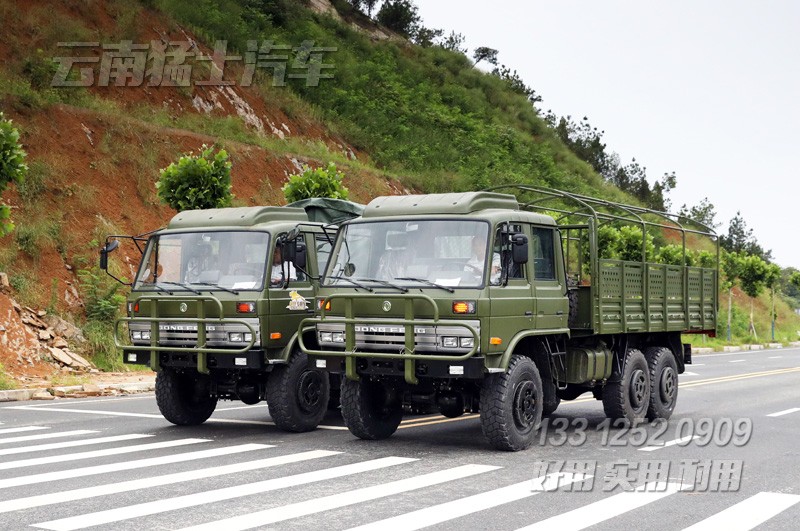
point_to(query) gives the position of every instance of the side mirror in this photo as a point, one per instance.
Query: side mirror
(519, 248)
(107, 248)
(300, 255)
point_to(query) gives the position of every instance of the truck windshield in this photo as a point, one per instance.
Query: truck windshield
(225, 259)
(411, 253)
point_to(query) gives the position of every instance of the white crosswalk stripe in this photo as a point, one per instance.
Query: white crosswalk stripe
(211, 496)
(474, 510)
(471, 504)
(61, 475)
(72, 444)
(40, 436)
(607, 508)
(749, 513)
(343, 499)
(21, 429)
(98, 453)
(168, 479)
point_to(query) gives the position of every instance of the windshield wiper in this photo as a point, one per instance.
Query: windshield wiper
(156, 286)
(385, 283)
(212, 285)
(184, 286)
(428, 282)
(353, 282)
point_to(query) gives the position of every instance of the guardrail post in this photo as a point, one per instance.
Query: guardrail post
(410, 336)
(350, 341)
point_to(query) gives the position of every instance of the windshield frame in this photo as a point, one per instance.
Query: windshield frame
(343, 228)
(147, 287)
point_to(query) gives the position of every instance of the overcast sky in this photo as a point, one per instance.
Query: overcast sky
(707, 89)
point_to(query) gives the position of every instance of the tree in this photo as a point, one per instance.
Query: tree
(197, 181)
(740, 239)
(630, 247)
(400, 16)
(772, 278)
(516, 83)
(731, 266)
(454, 42)
(427, 37)
(794, 279)
(753, 276)
(12, 167)
(320, 182)
(703, 212)
(484, 53)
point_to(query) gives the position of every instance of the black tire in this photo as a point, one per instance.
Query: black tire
(551, 398)
(512, 404)
(297, 397)
(184, 399)
(629, 397)
(663, 382)
(370, 410)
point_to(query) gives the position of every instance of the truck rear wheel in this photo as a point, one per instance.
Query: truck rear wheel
(184, 399)
(663, 382)
(629, 397)
(512, 404)
(370, 410)
(296, 396)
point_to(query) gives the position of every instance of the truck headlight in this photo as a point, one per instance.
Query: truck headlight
(235, 337)
(248, 337)
(136, 334)
(326, 337)
(338, 337)
(450, 342)
(146, 334)
(467, 342)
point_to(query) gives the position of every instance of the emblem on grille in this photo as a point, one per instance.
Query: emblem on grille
(387, 306)
(183, 307)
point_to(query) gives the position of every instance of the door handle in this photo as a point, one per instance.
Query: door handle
(560, 312)
(528, 313)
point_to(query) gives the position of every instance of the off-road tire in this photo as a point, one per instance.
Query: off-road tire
(184, 399)
(551, 398)
(663, 382)
(629, 397)
(297, 396)
(370, 411)
(511, 405)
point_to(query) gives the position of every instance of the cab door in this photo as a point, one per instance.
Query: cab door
(289, 302)
(549, 283)
(512, 305)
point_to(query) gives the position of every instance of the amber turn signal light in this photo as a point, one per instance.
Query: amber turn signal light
(246, 307)
(464, 306)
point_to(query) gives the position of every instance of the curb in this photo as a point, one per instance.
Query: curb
(76, 391)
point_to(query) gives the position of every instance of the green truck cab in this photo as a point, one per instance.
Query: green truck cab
(215, 306)
(500, 304)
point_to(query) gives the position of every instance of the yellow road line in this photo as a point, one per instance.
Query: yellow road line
(428, 421)
(440, 421)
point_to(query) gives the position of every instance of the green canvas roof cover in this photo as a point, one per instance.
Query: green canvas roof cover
(325, 210)
(235, 217)
(455, 203)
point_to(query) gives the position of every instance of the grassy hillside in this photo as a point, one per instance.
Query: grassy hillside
(395, 117)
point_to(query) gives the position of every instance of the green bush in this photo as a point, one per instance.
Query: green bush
(100, 346)
(12, 167)
(5, 381)
(100, 297)
(672, 254)
(197, 181)
(320, 182)
(631, 244)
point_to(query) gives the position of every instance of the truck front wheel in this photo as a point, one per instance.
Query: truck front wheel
(512, 404)
(663, 382)
(370, 410)
(296, 396)
(629, 397)
(184, 399)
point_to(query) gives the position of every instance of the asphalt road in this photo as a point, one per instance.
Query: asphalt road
(114, 463)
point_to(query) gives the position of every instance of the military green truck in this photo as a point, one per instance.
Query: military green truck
(502, 304)
(215, 306)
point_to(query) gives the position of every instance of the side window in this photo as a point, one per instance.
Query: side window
(501, 254)
(282, 269)
(544, 262)
(324, 248)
